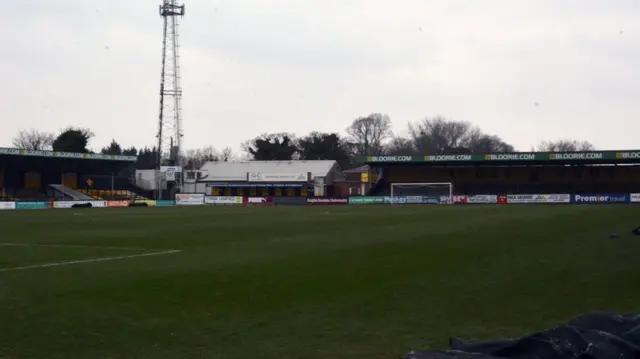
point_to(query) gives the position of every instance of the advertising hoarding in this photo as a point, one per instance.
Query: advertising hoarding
(277, 177)
(367, 200)
(258, 201)
(482, 199)
(69, 204)
(7, 205)
(600, 198)
(538, 198)
(31, 205)
(322, 201)
(222, 200)
(189, 199)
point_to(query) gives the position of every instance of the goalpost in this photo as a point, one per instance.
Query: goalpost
(434, 193)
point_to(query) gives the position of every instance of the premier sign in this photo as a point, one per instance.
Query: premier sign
(598, 198)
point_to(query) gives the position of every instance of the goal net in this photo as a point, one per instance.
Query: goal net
(426, 193)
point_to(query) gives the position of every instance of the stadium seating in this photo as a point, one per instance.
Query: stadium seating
(111, 195)
(4, 196)
(22, 194)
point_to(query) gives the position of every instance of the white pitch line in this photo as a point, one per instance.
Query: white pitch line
(74, 246)
(93, 260)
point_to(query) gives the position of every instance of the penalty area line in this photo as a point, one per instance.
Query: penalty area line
(92, 260)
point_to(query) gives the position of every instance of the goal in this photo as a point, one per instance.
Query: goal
(427, 193)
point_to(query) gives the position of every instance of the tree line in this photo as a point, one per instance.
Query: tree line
(370, 135)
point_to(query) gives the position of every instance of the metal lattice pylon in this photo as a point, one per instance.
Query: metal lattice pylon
(170, 119)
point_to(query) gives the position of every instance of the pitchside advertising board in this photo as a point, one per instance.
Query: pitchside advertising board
(482, 199)
(538, 198)
(367, 200)
(397, 200)
(31, 205)
(222, 200)
(321, 201)
(600, 198)
(69, 204)
(258, 201)
(7, 205)
(189, 199)
(634, 198)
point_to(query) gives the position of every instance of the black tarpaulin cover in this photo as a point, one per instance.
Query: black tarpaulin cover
(595, 335)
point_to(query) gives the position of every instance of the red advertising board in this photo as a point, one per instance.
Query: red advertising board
(257, 201)
(118, 203)
(502, 199)
(324, 201)
(460, 199)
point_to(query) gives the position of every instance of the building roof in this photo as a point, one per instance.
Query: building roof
(360, 169)
(237, 171)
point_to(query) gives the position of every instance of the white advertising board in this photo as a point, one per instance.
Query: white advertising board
(7, 205)
(277, 177)
(634, 197)
(221, 200)
(69, 204)
(539, 198)
(483, 199)
(189, 199)
(170, 169)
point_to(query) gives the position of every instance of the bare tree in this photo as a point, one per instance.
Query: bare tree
(367, 134)
(227, 154)
(565, 146)
(34, 140)
(208, 153)
(194, 159)
(439, 135)
(400, 146)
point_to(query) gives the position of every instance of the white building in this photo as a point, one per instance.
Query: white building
(319, 174)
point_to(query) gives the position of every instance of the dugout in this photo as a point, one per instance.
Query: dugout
(42, 175)
(513, 173)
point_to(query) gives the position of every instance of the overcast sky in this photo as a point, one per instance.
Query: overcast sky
(526, 70)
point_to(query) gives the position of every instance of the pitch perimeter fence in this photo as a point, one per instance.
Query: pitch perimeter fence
(197, 199)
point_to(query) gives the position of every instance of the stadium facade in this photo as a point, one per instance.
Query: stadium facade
(513, 173)
(588, 177)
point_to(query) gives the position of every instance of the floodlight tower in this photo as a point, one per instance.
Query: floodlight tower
(170, 118)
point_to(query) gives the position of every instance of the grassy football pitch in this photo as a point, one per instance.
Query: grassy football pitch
(303, 282)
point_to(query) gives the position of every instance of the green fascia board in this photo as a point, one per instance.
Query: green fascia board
(630, 155)
(70, 155)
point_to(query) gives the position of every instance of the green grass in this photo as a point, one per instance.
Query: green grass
(297, 282)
